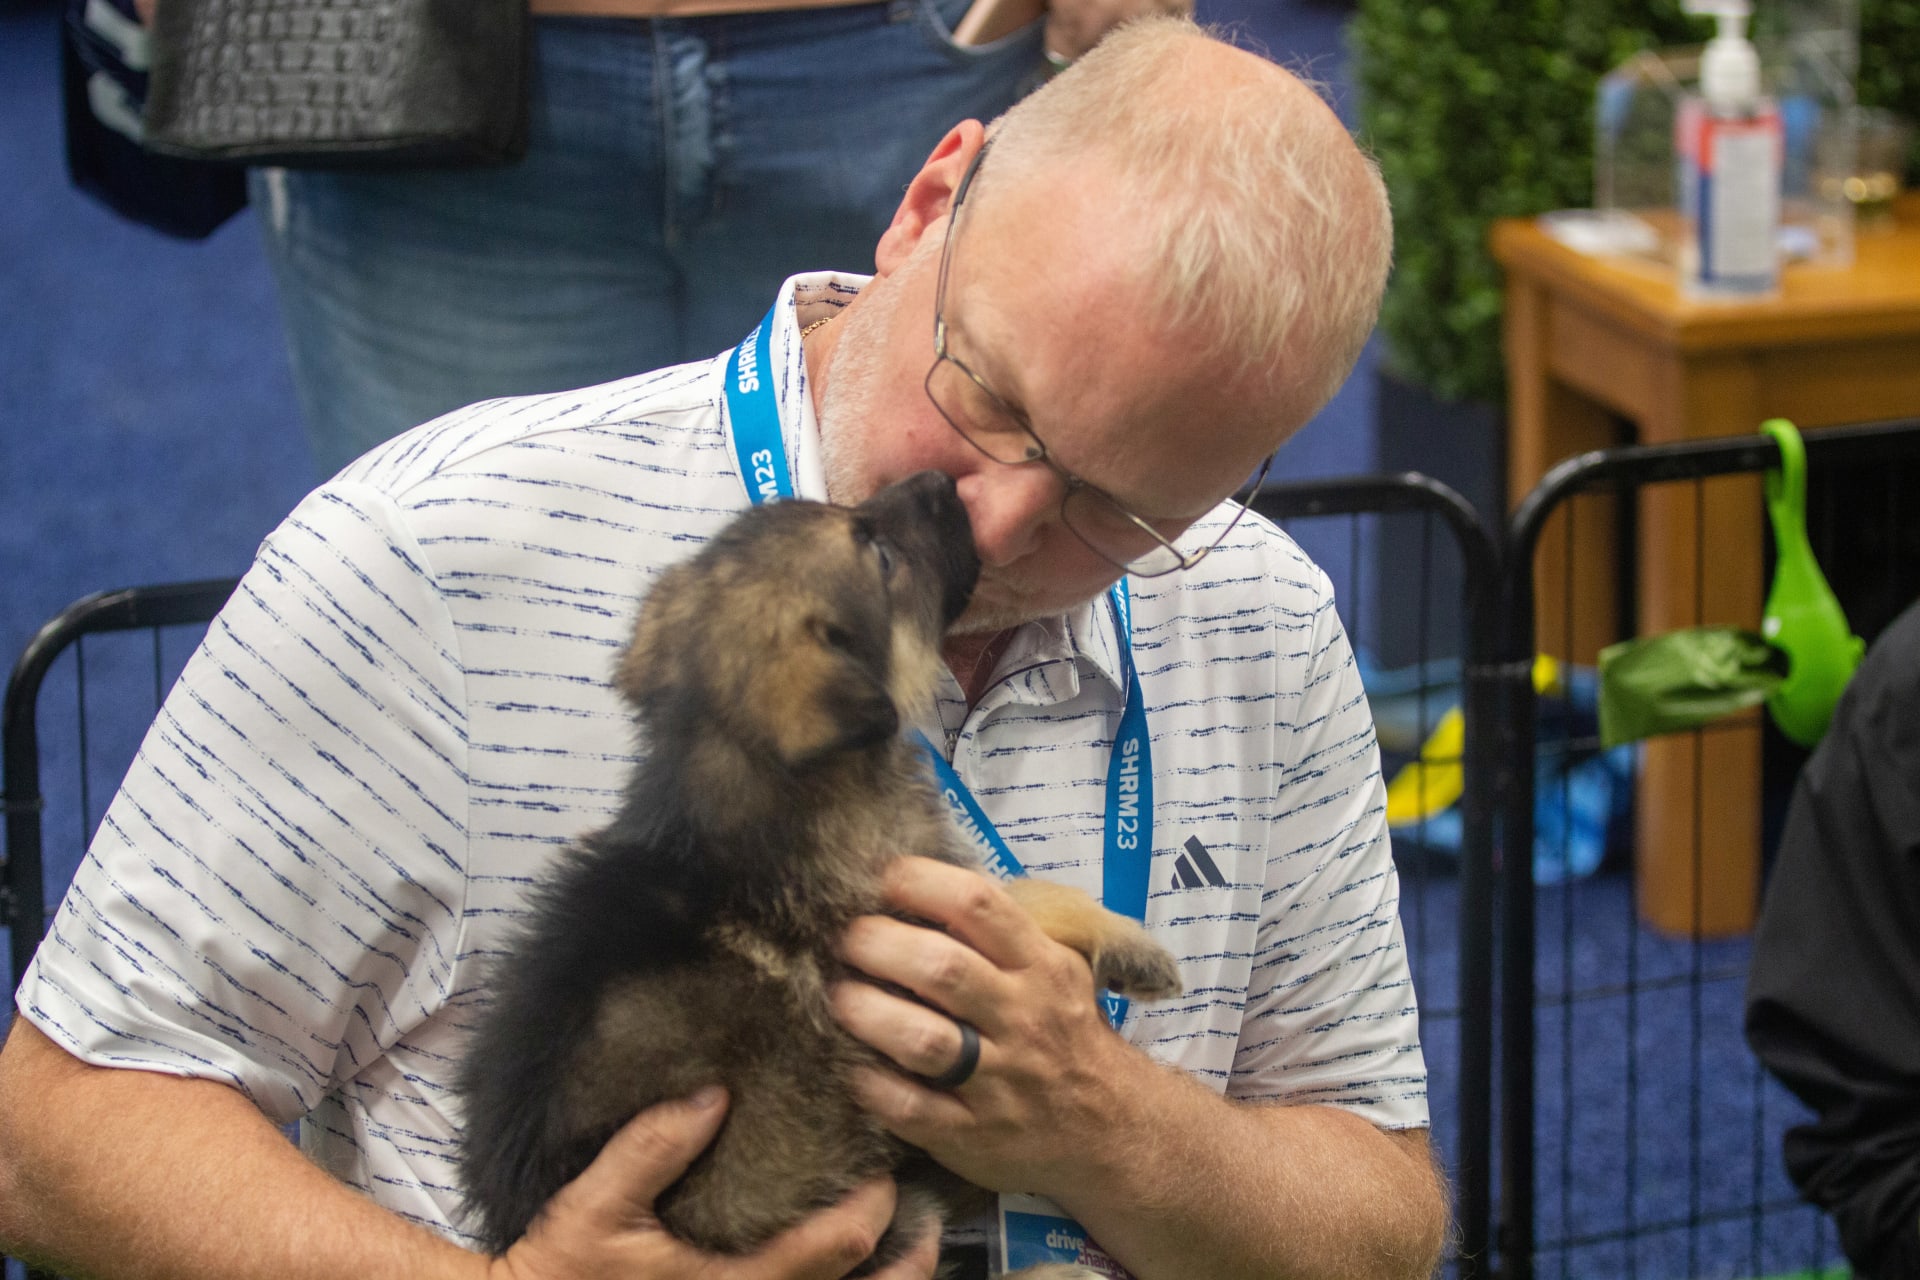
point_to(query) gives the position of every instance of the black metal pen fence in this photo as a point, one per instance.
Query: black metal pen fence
(1600, 1117)
(1444, 639)
(1639, 1137)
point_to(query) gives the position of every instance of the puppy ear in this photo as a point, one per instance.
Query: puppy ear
(647, 664)
(841, 708)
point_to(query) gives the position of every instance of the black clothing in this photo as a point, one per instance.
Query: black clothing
(1833, 997)
(964, 1262)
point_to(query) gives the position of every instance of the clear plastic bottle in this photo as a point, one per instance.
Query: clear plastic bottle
(1729, 145)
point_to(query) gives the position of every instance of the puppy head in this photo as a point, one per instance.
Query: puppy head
(804, 631)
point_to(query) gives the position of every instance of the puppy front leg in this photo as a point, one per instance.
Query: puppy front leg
(1124, 958)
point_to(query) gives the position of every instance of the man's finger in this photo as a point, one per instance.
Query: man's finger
(941, 970)
(645, 1157)
(830, 1243)
(923, 1041)
(910, 1110)
(970, 906)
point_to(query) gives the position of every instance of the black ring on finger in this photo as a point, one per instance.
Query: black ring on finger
(963, 1067)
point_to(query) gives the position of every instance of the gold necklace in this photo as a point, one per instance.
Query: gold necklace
(815, 325)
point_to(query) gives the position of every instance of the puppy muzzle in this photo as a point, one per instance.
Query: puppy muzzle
(923, 517)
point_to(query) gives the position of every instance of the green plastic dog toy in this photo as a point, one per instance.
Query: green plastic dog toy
(1802, 617)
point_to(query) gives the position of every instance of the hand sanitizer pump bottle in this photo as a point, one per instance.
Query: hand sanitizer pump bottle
(1729, 145)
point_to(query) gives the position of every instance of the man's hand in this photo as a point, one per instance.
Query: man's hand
(1075, 26)
(1171, 1178)
(1027, 1116)
(602, 1223)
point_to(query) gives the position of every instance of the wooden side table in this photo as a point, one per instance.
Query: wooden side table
(1593, 342)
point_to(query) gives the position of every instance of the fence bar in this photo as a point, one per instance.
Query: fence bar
(22, 885)
(1410, 492)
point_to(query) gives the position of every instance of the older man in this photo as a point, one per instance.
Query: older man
(1153, 271)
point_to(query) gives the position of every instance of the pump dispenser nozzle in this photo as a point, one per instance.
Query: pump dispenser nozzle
(1730, 68)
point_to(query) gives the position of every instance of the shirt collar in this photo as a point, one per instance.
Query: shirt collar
(803, 299)
(1096, 630)
(1050, 656)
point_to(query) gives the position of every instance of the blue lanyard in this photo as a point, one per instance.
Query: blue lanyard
(753, 413)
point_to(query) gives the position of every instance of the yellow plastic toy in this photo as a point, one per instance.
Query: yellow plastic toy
(1434, 783)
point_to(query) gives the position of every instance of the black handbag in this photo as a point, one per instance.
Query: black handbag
(341, 83)
(103, 77)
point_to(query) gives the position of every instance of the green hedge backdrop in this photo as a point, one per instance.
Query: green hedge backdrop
(1483, 109)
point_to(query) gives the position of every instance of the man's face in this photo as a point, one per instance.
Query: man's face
(1042, 303)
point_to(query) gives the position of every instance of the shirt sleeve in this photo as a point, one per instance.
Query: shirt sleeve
(1833, 991)
(274, 895)
(1331, 1016)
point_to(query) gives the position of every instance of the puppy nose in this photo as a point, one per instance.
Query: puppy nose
(932, 489)
(1010, 508)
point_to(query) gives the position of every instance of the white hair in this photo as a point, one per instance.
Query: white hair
(1269, 230)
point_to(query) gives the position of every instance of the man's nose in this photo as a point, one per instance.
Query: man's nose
(1011, 508)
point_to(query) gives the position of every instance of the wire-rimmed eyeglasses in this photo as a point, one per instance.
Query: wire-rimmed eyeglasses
(1002, 433)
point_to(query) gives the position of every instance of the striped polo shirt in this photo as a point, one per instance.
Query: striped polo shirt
(405, 711)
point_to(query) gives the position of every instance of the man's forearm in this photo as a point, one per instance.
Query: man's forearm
(143, 1176)
(1183, 1183)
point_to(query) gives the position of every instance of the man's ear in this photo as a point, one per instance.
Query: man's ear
(929, 195)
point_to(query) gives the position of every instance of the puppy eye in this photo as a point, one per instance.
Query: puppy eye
(885, 554)
(836, 636)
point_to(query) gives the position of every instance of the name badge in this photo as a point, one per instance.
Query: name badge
(1034, 1230)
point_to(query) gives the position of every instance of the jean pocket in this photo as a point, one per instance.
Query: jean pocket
(938, 18)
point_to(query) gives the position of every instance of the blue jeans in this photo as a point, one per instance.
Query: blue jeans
(679, 170)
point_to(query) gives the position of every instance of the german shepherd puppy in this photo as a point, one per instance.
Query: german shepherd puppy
(691, 941)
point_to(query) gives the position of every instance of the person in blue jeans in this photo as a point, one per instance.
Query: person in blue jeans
(686, 156)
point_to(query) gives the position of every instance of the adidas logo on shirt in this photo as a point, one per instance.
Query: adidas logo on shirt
(1196, 867)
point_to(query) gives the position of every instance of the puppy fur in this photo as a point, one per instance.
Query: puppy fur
(690, 942)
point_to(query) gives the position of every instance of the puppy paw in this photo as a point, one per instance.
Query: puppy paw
(1123, 957)
(1137, 967)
